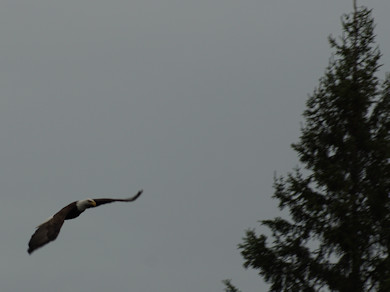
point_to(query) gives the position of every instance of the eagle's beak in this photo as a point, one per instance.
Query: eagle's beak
(93, 203)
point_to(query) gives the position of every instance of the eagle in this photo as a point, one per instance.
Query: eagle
(49, 230)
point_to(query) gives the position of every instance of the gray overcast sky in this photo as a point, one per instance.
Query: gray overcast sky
(196, 102)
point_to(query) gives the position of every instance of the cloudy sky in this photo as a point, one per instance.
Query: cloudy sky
(196, 102)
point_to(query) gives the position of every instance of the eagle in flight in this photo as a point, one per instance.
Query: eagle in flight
(49, 230)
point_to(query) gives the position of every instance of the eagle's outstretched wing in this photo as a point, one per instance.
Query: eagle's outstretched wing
(106, 201)
(49, 230)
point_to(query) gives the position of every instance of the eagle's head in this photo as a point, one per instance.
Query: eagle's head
(85, 204)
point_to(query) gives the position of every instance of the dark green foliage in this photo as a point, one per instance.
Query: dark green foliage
(337, 237)
(229, 287)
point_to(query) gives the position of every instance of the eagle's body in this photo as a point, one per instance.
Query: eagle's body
(49, 230)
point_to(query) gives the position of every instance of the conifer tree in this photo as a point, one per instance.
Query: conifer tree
(337, 237)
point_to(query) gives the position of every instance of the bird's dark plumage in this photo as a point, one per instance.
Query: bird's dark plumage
(49, 230)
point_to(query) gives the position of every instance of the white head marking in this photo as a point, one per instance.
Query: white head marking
(84, 204)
